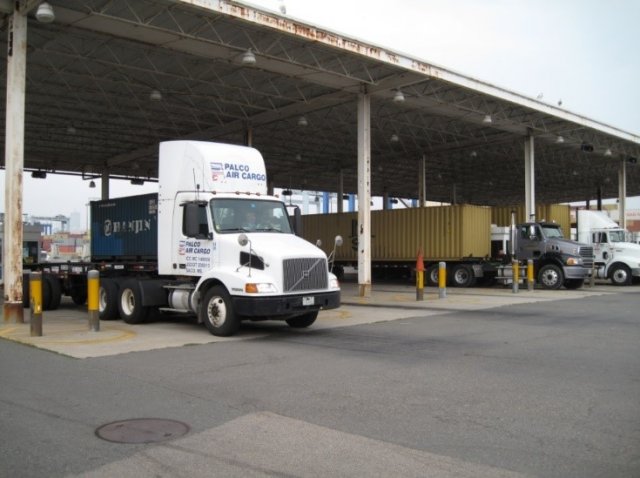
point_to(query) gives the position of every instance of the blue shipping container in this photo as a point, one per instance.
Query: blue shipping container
(125, 228)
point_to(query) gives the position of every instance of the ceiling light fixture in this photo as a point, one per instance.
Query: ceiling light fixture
(137, 181)
(92, 184)
(71, 129)
(398, 97)
(394, 138)
(559, 139)
(487, 119)
(474, 154)
(608, 152)
(155, 95)
(44, 13)
(248, 58)
(39, 174)
(302, 121)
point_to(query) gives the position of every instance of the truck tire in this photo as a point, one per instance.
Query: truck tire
(620, 274)
(51, 292)
(550, 277)
(431, 275)
(130, 303)
(216, 311)
(108, 300)
(302, 321)
(462, 276)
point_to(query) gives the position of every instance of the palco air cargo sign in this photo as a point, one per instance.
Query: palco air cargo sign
(237, 175)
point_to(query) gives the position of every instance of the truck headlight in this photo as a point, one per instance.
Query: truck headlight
(334, 283)
(574, 261)
(260, 288)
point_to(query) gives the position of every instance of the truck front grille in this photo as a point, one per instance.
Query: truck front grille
(305, 274)
(586, 252)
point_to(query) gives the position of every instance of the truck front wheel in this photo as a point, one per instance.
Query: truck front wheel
(303, 321)
(216, 311)
(620, 275)
(130, 303)
(550, 277)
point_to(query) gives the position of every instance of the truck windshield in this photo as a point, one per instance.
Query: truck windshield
(552, 231)
(249, 215)
(617, 236)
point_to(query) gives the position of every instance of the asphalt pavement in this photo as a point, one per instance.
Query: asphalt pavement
(482, 383)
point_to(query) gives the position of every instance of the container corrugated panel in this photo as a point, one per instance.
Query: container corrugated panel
(559, 213)
(125, 228)
(444, 232)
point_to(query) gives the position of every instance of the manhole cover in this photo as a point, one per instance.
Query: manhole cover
(142, 430)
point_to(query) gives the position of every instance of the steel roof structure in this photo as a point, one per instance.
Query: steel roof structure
(90, 74)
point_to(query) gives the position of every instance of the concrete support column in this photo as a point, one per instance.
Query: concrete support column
(622, 194)
(529, 179)
(364, 194)
(340, 199)
(385, 199)
(104, 184)
(454, 198)
(14, 164)
(599, 200)
(423, 181)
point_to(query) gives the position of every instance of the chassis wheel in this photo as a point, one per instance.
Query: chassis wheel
(550, 277)
(302, 321)
(130, 303)
(108, 300)
(216, 311)
(51, 292)
(462, 276)
(620, 275)
(431, 275)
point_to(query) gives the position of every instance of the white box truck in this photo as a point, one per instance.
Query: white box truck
(615, 257)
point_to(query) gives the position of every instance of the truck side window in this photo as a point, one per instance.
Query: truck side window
(203, 225)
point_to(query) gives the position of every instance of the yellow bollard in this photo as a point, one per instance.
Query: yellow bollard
(442, 280)
(93, 300)
(530, 275)
(515, 268)
(420, 276)
(35, 288)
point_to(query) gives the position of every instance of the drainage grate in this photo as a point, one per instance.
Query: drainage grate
(142, 430)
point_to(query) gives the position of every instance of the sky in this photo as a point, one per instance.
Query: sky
(582, 52)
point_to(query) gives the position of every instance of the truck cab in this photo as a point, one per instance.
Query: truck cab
(557, 261)
(615, 257)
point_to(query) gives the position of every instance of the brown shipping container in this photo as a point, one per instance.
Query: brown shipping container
(559, 213)
(443, 233)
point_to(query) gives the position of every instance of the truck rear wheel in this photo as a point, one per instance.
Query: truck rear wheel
(462, 276)
(550, 277)
(108, 300)
(302, 321)
(620, 275)
(130, 303)
(51, 292)
(216, 311)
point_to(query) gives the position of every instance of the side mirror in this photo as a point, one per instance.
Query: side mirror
(338, 241)
(243, 240)
(319, 243)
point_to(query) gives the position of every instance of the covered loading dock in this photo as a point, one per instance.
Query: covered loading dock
(107, 80)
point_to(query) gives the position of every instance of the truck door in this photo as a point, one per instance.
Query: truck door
(194, 254)
(601, 247)
(530, 244)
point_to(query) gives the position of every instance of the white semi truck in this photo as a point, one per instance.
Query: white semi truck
(210, 243)
(615, 257)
